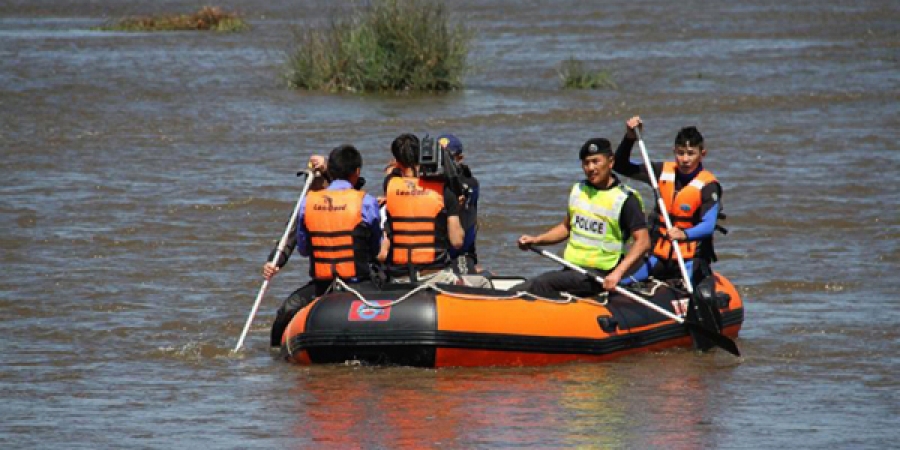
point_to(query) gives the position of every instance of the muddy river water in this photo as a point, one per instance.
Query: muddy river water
(144, 177)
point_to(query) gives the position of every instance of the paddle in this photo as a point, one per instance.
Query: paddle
(281, 244)
(664, 212)
(715, 337)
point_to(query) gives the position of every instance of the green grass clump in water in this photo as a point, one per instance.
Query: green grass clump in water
(575, 76)
(207, 18)
(389, 45)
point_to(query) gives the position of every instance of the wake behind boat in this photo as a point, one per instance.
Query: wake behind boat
(439, 325)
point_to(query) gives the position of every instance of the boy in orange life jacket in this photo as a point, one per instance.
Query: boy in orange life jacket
(422, 220)
(338, 228)
(693, 199)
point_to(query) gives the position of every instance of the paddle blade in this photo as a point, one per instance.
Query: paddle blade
(714, 338)
(704, 320)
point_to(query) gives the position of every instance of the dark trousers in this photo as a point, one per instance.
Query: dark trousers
(299, 299)
(550, 284)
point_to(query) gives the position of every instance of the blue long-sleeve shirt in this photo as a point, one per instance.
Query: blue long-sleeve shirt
(370, 217)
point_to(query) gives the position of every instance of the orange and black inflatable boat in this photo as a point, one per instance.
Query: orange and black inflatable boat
(446, 325)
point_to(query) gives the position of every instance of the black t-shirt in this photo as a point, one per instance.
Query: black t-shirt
(632, 217)
(468, 215)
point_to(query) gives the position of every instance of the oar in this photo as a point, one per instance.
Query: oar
(281, 244)
(716, 338)
(664, 212)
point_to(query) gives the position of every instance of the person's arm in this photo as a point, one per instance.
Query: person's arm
(639, 247)
(468, 215)
(285, 253)
(623, 164)
(385, 248)
(276, 259)
(302, 239)
(555, 235)
(319, 165)
(455, 232)
(471, 203)
(371, 216)
(634, 224)
(385, 238)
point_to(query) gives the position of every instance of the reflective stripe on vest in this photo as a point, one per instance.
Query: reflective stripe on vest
(595, 238)
(416, 222)
(682, 208)
(334, 221)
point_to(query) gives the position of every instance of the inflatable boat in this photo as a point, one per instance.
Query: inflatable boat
(447, 325)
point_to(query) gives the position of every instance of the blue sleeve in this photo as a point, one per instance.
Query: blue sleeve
(706, 227)
(371, 215)
(302, 234)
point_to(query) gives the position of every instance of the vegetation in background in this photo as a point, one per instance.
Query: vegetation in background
(388, 45)
(575, 75)
(207, 18)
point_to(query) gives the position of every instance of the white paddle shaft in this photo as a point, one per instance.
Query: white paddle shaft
(618, 289)
(280, 250)
(665, 213)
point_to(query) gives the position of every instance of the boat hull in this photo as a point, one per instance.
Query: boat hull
(466, 327)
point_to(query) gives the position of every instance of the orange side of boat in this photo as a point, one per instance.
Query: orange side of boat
(473, 332)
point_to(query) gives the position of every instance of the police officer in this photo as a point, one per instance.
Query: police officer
(603, 216)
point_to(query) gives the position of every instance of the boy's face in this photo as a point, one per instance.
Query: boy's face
(689, 158)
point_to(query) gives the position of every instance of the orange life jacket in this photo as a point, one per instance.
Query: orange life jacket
(416, 224)
(339, 239)
(682, 207)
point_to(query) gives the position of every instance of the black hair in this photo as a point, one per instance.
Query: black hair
(689, 137)
(343, 162)
(405, 149)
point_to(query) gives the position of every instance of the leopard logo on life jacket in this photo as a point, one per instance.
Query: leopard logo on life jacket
(329, 205)
(411, 189)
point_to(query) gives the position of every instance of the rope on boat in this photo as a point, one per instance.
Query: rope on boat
(652, 291)
(519, 295)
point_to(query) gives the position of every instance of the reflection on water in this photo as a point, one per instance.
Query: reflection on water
(566, 406)
(146, 175)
